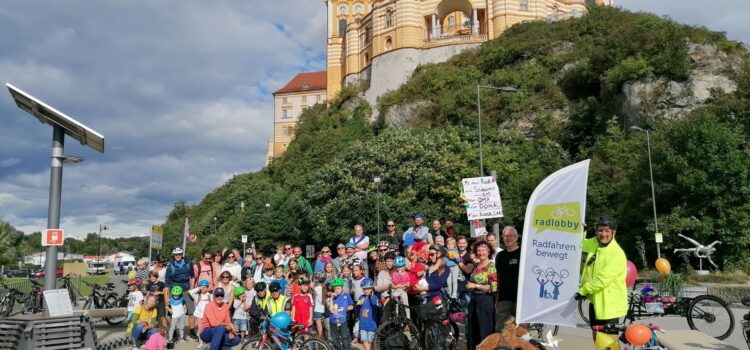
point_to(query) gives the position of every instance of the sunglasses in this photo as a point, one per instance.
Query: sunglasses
(326, 251)
(226, 276)
(230, 257)
(340, 248)
(391, 225)
(432, 254)
(261, 258)
(383, 250)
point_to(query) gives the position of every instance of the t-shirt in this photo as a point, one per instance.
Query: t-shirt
(361, 255)
(206, 272)
(134, 300)
(302, 304)
(319, 306)
(384, 280)
(154, 342)
(142, 315)
(357, 287)
(239, 310)
(463, 277)
(157, 287)
(506, 264)
(201, 300)
(215, 315)
(400, 279)
(340, 305)
(178, 306)
(367, 321)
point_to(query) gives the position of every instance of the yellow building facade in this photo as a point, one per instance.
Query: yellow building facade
(361, 30)
(299, 94)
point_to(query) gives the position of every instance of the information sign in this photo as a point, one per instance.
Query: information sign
(482, 198)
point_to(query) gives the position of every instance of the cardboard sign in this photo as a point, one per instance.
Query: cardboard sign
(482, 197)
(54, 237)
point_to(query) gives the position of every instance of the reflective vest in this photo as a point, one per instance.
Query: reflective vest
(276, 305)
(603, 279)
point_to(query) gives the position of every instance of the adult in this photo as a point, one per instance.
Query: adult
(180, 272)
(288, 253)
(325, 257)
(277, 302)
(362, 244)
(450, 231)
(225, 282)
(465, 266)
(418, 232)
(340, 256)
(158, 266)
(207, 269)
(437, 229)
(603, 276)
(216, 325)
(231, 265)
(258, 307)
(302, 262)
(380, 263)
(492, 240)
(258, 274)
(482, 284)
(248, 265)
(506, 264)
(390, 234)
(144, 321)
(437, 274)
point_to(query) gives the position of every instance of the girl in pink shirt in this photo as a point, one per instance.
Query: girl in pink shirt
(400, 281)
(156, 340)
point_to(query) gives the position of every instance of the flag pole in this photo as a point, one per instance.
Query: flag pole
(185, 233)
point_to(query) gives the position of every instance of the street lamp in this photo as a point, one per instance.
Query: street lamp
(242, 206)
(377, 181)
(215, 225)
(479, 117)
(99, 248)
(653, 195)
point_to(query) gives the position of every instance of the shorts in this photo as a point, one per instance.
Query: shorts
(366, 336)
(188, 303)
(317, 316)
(240, 325)
(161, 309)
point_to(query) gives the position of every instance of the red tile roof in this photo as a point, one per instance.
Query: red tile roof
(309, 81)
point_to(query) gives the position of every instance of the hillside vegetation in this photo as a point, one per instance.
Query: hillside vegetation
(571, 79)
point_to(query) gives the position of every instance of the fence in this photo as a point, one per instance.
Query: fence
(24, 285)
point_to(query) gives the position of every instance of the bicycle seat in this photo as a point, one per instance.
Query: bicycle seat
(746, 301)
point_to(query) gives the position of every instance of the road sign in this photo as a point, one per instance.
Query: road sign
(244, 239)
(156, 236)
(53, 237)
(310, 251)
(658, 237)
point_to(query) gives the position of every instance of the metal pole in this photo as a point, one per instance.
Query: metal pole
(150, 247)
(495, 221)
(479, 118)
(378, 206)
(653, 194)
(55, 196)
(99, 244)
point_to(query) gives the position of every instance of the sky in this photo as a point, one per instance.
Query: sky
(181, 90)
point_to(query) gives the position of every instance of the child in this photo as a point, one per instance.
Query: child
(156, 340)
(239, 317)
(142, 271)
(178, 310)
(368, 305)
(355, 284)
(339, 304)
(319, 292)
(440, 240)
(451, 261)
(201, 297)
(249, 289)
(302, 304)
(346, 275)
(268, 274)
(401, 282)
(135, 297)
(280, 278)
(156, 288)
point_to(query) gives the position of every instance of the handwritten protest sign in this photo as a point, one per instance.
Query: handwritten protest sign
(482, 197)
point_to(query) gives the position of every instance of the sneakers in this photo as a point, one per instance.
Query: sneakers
(135, 348)
(182, 340)
(200, 346)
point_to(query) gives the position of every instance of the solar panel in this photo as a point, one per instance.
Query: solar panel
(51, 116)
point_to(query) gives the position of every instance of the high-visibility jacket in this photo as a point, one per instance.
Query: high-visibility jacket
(603, 279)
(276, 305)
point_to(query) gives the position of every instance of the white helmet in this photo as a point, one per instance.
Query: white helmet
(177, 250)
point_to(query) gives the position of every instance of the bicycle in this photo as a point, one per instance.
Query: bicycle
(746, 322)
(705, 313)
(396, 329)
(295, 337)
(73, 292)
(33, 303)
(104, 297)
(652, 344)
(9, 299)
(539, 330)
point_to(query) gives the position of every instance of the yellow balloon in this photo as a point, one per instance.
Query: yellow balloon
(605, 342)
(662, 265)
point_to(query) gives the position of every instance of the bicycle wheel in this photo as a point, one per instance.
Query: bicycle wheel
(111, 302)
(313, 343)
(391, 328)
(6, 306)
(711, 315)
(539, 330)
(583, 310)
(254, 344)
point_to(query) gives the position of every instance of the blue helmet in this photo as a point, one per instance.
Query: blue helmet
(366, 283)
(281, 320)
(400, 261)
(203, 283)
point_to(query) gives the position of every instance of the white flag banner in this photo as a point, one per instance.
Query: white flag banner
(549, 271)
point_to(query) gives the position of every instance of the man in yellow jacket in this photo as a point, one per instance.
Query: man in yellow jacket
(603, 278)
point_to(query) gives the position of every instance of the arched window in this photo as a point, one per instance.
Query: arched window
(388, 43)
(388, 18)
(451, 22)
(342, 27)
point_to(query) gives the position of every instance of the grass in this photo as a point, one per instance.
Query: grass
(23, 284)
(737, 277)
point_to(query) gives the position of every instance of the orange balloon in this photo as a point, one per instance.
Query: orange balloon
(637, 334)
(662, 265)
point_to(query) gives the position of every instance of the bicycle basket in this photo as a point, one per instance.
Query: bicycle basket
(429, 312)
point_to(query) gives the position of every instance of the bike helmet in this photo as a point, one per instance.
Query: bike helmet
(400, 261)
(134, 281)
(281, 320)
(176, 290)
(337, 282)
(203, 283)
(366, 283)
(607, 221)
(351, 245)
(303, 280)
(390, 255)
(382, 244)
(372, 248)
(274, 287)
(440, 249)
(177, 251)
(260, 286)
(219, 292)
(237, 291)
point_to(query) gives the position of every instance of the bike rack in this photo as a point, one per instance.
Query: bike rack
(30, 332)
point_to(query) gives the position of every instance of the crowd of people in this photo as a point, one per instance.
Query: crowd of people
(225, 296)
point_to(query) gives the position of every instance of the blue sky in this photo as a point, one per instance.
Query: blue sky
(181, 91)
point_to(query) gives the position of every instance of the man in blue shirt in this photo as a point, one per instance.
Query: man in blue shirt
(418, 232)
(180, 273)
(338, 305)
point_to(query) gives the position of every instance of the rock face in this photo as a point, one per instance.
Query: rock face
(400, 115)
(660, 97)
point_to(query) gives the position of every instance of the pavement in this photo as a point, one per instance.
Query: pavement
(571, 338)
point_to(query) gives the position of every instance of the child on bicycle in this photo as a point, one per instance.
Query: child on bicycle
(178, 310)
(339, 304)
(201, 296)
(368, 304)
(135, 297)
(241, 306)
(302, 304)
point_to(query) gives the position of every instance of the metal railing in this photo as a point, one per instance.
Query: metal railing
(456, 39)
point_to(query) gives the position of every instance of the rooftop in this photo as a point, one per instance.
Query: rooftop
(309, 81)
